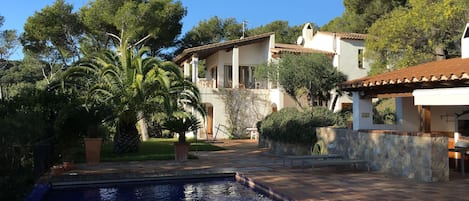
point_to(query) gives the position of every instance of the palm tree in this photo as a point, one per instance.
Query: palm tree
(180, 123)
(135, 86)
(183, 110)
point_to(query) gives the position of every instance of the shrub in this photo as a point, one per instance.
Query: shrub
(25, 120)
(292, 126)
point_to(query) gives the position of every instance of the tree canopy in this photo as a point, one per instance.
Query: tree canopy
(53, 33)
(209, 31)
(160, 19)
(359, 15)
(8, 41)
(306, 74)
(426, 30)
(216, 30)
(283, 32)
(58, 33)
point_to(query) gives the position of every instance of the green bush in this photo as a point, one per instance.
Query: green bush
(292, 126)
(25, 120)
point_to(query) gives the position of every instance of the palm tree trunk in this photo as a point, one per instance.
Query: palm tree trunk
(142, 123)
(127, 138)
(182, 137)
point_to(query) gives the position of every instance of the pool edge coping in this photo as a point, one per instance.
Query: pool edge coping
(238, 176)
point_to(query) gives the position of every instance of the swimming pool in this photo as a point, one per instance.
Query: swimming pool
(218, 188)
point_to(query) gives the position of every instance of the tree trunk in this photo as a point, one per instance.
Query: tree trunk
(440, 53)
(182, 137)
(142, 123)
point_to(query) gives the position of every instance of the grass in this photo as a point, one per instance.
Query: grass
(154, 149)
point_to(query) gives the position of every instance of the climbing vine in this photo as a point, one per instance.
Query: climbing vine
(242, 109)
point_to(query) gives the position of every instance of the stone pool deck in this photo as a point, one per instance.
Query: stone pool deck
(298, 184)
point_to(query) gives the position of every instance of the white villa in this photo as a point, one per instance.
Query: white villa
(231, 64)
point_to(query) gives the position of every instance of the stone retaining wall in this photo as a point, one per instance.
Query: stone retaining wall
(419, 156)
(280, 148)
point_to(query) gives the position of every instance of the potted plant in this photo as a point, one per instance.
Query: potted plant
(93, 145)
(56, 170)
(180, 124)
(93, 140)
(70, 130)
(67, 158)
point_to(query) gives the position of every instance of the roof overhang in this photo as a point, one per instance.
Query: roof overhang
(451, 73)
(204, 51)
(345, 36)
(404, 89)
(443, 96)
(281, 48)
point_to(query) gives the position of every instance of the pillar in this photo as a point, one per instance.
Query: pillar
(187, 71)
(220, 71)
(195, 67)
(235, 68)
(362, 112)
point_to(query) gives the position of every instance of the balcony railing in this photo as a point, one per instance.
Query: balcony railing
(204, 83)
(211, 84)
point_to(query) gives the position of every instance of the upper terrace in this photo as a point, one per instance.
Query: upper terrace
(231, 64)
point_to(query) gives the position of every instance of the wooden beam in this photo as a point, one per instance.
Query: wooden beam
(395, 95)
(425, 117)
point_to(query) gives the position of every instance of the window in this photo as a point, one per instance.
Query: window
(228, 79)
(384, 111)
(360, 58)
(245, 77)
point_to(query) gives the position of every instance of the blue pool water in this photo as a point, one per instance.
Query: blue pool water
(205, 189)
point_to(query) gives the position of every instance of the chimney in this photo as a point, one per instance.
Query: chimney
(465, 43)
(306, 37)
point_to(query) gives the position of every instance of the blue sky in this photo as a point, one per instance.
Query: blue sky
(255, 12)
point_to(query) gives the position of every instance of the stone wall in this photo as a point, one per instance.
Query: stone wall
(280, 148)
(419, 156)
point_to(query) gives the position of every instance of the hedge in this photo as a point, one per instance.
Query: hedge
(292, 126)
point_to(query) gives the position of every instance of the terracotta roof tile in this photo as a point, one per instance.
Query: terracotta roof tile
(349, 36)
(445, 70)
(293, 48)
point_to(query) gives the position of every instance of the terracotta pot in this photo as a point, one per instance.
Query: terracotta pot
(67, 165)
(56, 170)
(93, 150)
(350, 124)
(181, 151)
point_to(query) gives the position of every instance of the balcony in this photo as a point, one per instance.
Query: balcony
(204, 83)
(208, 84)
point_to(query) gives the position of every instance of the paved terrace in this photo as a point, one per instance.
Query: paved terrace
(243, 156)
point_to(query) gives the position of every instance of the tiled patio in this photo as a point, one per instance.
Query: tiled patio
(309, 184)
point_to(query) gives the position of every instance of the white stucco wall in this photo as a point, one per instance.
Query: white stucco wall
(442, 96)
(321, 41)
(249, 55)
(348, 59)
(257, 53)
(260, 102)
(345, 60)
(408, 117)
(347, 53)
(443, 117)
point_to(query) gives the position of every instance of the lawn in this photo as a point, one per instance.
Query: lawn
(155, 149)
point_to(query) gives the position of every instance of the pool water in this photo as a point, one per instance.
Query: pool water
(205, 189)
